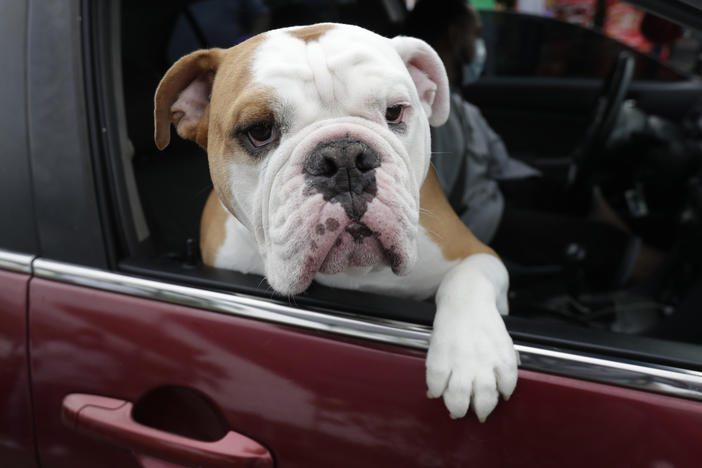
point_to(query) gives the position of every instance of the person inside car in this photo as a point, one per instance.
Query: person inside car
(505, 202)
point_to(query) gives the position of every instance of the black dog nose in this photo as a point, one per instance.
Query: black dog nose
(346, 153)
(343, 171)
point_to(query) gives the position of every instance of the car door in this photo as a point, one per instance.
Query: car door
(315, 388)
(153, 361)
(18, 245)
(16, 424)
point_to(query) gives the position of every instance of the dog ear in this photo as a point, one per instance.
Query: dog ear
(183, 97)
(429, 76)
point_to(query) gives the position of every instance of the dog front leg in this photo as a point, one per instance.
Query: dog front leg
(471, 358)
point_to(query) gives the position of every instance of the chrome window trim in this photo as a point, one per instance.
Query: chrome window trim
(16, 262)
(666, 380)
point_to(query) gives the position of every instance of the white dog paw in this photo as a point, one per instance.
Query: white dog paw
(471, 359)
(471, 366)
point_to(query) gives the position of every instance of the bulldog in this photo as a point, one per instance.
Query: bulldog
(318, 145)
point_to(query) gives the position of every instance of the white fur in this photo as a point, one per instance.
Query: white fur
(471, 359)
(239, 248)
(288, 215)
(420, 283)
(351, 72)
(343, 83)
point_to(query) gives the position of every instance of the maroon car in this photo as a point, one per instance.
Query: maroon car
(118, 348)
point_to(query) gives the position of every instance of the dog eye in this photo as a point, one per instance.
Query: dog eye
(262, 134)
(393, 114)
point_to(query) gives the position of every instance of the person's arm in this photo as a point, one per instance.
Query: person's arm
(500, 164)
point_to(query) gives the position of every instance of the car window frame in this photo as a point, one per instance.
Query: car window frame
(16, 197)
(633, 362)
(608, 43)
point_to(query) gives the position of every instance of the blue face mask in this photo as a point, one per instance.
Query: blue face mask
(471, 71)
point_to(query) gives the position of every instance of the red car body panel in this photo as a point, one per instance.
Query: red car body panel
(16, 432)
(317, 400)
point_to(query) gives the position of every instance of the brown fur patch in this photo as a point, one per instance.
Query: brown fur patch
(232, 91)
(203, 128)
(212, 229)
(253, 106)
(233, 98)
(201, 63)
(211, 65)
(227, 112)
(311, 33)
(443, 224)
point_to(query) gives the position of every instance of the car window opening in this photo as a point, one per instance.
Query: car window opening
(579, 138)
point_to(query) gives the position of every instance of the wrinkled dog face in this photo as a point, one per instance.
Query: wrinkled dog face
(318, 142)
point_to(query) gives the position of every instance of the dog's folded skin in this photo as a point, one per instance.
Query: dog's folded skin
(319, 151)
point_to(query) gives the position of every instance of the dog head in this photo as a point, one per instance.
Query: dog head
(317, 140)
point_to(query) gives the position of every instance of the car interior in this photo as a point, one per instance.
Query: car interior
(563, 98)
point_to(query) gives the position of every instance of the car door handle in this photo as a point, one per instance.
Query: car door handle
(110, 419)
